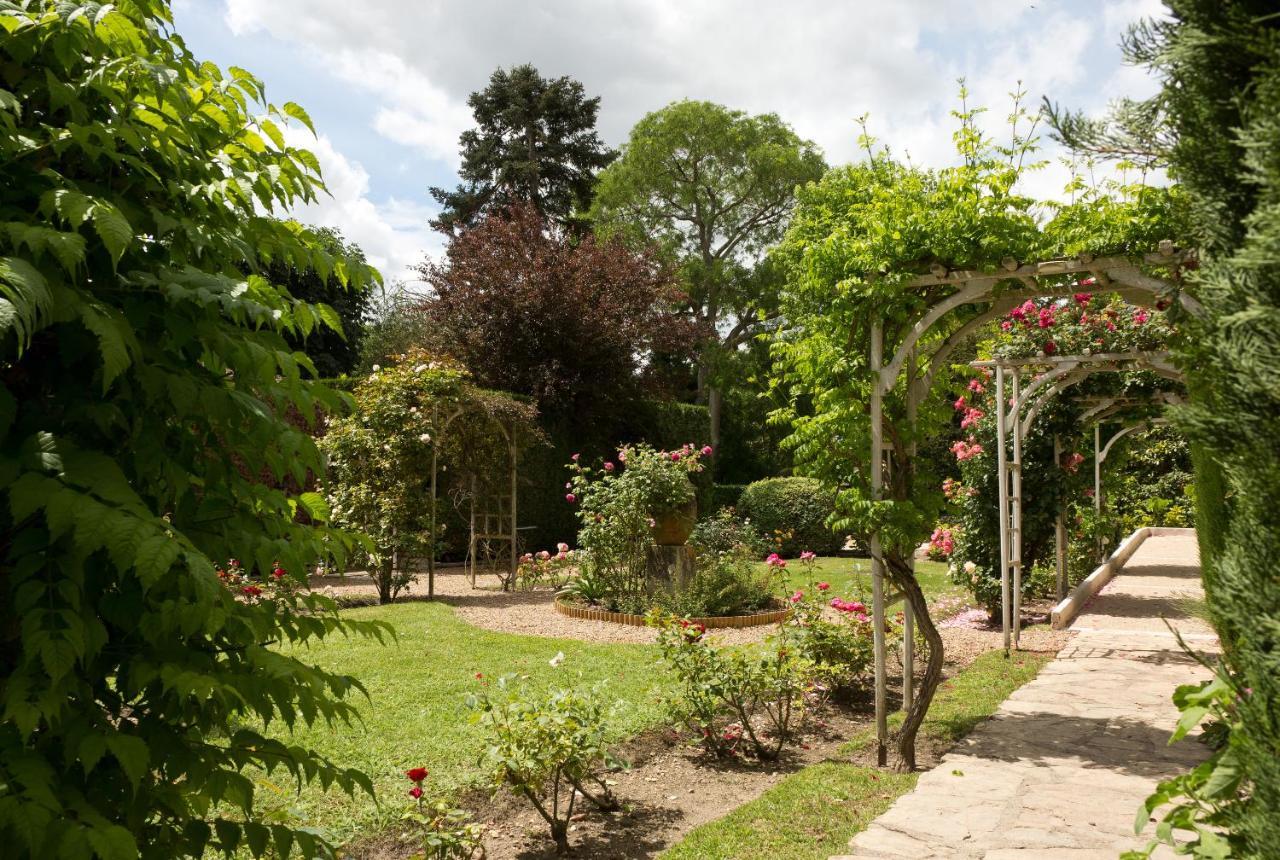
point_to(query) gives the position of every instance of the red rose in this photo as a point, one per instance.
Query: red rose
(251, 591)
(278, 573)
(417, 774)
(415, 792)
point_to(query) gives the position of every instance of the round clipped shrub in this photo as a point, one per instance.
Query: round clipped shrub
(791, 514)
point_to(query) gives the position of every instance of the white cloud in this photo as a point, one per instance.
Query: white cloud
(819, 64)
(393, 235)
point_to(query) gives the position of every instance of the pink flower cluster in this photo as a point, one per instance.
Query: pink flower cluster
(856, 608)
(943, 541)
(953, 489)
(1072, 463)
(966, 449)
(775, 560)
(807, 555)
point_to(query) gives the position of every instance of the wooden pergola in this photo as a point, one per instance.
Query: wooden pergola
(993, 294)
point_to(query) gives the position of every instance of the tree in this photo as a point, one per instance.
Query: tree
(334, 352)
(140, 369)
(1216, 123)
(535, 142)
(714, 188)
(527, 310)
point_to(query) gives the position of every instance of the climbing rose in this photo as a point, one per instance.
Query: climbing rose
(959, 404)
(417, 774)
(975, 386)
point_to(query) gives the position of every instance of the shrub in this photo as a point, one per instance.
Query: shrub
(146, 384)
(548, 748)
(724, 532)
(725, 583)
(615, 504)
(446, 833)
(544, 569)
(792, 513)
(753, 695)
(839, 642)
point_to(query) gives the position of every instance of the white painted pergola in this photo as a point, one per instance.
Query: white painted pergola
(1052, 377)
(991, 294)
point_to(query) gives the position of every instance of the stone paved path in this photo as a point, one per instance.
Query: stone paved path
(1062, 767)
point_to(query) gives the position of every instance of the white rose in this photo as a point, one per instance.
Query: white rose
(425, 437)
(970, 567)
(377, 367)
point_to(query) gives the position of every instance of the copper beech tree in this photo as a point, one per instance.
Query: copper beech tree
(573, 323)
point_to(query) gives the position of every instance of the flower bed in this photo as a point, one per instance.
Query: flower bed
(756, 619)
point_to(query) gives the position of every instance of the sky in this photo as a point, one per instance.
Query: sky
(386, 81)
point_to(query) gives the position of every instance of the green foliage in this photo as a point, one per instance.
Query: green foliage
(549, 748)
(447, 833)
(723, 583)
(712, 187)
(751, 696)
(791, 513)
(617, 504)
(146, 377)
(535, 142)
(725, 532)
(333, 351)
(1200, 811)
(380, 457)
(840, 648)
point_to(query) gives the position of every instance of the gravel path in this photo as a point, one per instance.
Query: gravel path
(531, 613)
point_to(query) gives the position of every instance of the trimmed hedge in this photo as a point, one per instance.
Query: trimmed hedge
(791, 513)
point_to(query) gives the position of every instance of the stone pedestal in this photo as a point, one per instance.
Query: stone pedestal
(668, 568)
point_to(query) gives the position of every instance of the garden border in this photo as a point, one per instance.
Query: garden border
(1066, 611)
(758, 619)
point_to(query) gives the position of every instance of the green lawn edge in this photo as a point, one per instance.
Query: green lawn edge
(816, 811)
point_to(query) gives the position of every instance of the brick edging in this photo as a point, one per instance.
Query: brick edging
(711, 623)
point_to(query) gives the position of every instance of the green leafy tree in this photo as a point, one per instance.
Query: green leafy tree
(714, 188)
(143, 375)
(333, 352)
(1216, 124)
(535, 142)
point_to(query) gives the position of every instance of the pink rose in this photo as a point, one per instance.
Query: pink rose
(570, 498)
(675, 456)
(797, 597)
(706, 450)
(608, 466)
(823, 586)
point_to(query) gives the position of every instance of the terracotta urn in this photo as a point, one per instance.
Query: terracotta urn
(672, 528)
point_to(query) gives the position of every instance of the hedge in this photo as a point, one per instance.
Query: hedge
(725, 496)
(791, 513)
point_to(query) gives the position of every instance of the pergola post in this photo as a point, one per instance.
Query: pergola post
(1015, 554)
(1097, 486)
(435, 462)
(1060, 527)
(908, 614)
(877, 554)
(515, 553)
(1002, 469)
(471, 533)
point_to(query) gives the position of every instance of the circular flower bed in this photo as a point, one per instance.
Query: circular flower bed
(755, 619)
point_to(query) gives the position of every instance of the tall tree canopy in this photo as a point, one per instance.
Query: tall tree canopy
(143, 375)
(535, 142)
(334, 352)
(529, 310)
(714, 188)
(1216, 124)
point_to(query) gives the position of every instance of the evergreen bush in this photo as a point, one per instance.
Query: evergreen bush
(791, 514)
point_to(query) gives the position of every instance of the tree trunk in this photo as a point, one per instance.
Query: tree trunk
(714, 407)
(903, 577)
(384, 573)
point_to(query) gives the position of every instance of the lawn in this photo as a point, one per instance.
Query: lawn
(416, 714)
(814, 813)
(851, 577)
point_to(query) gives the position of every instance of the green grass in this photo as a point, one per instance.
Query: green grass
(813, 813)
(851, 577)
(416, 715)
